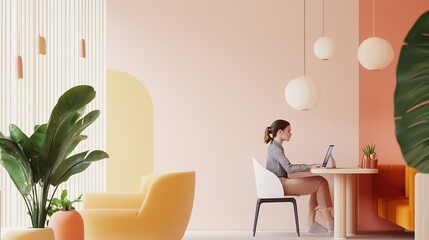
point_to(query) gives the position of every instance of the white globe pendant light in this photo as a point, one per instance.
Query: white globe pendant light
(302, 93)
(324, 48)
(375, 53)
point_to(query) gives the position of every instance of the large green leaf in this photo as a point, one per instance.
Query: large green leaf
(73, 135)
(19, 137)
(61, 141)
(79, 138)
(75, 142)
(67, 109)
(17, 165)
(412, 96)
(76, 164)
(37, 139)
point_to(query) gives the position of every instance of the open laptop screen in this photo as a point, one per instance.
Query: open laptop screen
(327, 156)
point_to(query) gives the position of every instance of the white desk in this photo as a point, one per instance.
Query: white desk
(344, 197)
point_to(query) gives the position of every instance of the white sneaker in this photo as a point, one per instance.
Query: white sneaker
(330, 226)
(316, 228)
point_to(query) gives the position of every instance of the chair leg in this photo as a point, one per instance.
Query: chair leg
(258, 204)
(296, 217)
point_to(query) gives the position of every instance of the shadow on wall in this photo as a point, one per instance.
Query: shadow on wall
(129, 124)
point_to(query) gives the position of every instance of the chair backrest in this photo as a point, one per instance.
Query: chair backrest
(268, 185)
(167, 207)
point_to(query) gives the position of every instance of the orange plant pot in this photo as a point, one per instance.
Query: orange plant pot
(67, 225)
(374, 163)
(365, 162)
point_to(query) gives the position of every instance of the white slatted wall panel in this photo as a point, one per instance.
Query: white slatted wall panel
(28, 101)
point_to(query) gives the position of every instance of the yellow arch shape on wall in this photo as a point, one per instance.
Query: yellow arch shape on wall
(129, 123)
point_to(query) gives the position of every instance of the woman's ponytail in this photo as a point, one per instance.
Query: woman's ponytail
(267, 137)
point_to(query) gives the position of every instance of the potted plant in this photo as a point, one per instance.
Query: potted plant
(62, 203)
(369, 158)
(66, 223)
(411, 114)
(39, 163)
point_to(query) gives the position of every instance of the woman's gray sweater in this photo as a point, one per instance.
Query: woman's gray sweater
(278, 163)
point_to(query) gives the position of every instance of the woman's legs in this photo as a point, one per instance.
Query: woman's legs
(317, 187)
(312, 204)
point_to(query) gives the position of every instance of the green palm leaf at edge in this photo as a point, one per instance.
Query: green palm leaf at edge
(412, 96)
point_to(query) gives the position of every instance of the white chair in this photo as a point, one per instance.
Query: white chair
(269, 189)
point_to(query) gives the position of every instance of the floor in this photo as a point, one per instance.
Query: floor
(264, 235)
(243, 235)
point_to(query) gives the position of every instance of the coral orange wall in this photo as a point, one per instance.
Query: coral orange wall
(393, 19)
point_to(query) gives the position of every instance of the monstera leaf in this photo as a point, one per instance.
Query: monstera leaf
(412, 96)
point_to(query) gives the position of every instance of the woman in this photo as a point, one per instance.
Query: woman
(316, 186)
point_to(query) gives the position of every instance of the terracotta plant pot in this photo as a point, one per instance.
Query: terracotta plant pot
(67, 225)
(373, 163)
(366, 162)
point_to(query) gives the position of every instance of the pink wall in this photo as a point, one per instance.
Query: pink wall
(216, 71)
(393, 19)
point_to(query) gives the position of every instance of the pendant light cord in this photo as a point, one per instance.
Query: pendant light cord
(41, 20)
(373, 18)
(18, 29)
(304, 37)
(323, 19)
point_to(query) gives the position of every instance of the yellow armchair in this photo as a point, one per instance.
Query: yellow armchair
(160, 211)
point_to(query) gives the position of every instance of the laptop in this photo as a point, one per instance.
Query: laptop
(328, 156)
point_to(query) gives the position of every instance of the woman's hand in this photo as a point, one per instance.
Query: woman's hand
(315, 165)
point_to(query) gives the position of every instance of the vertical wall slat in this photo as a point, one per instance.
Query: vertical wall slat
(28, 101)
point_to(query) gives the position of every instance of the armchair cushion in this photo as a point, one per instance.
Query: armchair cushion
(118, 200)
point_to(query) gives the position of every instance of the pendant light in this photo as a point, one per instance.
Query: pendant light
(82, 31)
(302, 93)
(375, 53)
(324, 48)
(41, 38)
(19, 65)
(82, 48)
(42, 45)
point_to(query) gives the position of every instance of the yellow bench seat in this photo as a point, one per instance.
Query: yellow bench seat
(394, 194)
(396, 210)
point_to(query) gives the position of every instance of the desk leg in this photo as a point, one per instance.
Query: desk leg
(351, 205)
(340, 206)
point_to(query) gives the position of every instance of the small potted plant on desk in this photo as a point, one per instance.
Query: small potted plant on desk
(66, 223)
(370, 158)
